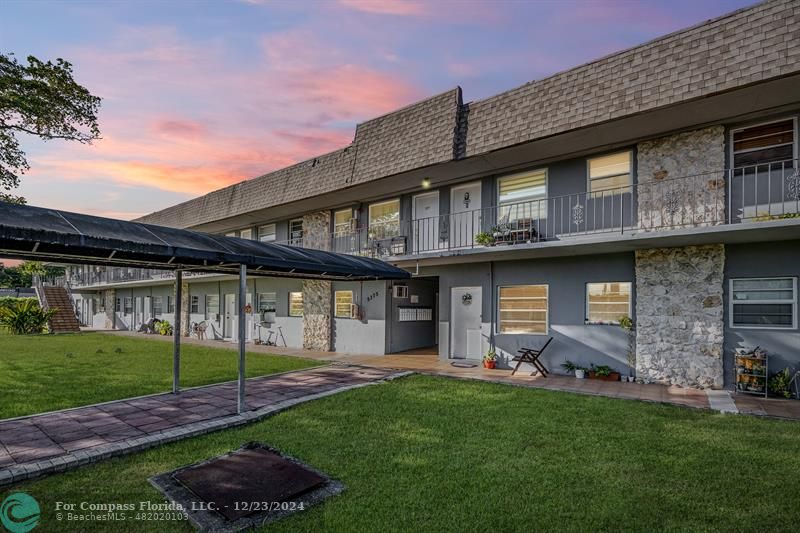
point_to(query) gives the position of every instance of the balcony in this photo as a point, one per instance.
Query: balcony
(757, 193)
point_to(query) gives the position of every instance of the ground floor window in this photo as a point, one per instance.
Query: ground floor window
(523, 309)
(607, 302)
(170, 305)
(195, 305)
(158, 305)
(295, 304)
(128, 305)
(267, 302)
(344, 302)
(764, 303)
(117, 305)
(212, 306)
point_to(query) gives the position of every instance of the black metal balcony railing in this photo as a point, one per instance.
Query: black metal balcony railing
(758, 192)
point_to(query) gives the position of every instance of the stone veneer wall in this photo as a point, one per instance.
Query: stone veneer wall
(317, 230)
(109, 302)
(317, 315)
(679, 315)
(696, 200)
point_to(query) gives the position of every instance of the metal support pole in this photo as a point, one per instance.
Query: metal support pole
(176, 335)
(242, 333)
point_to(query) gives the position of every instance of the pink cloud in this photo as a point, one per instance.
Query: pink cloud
(300, 99)
(386, 7)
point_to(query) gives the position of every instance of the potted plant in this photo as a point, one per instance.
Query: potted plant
(603, 373)
(571, 367)
(484, 238)
(490, 359)
(779, 383)
(626, 323)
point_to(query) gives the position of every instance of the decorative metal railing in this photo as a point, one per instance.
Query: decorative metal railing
(759, 192)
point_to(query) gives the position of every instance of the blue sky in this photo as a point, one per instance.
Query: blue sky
(201, 94)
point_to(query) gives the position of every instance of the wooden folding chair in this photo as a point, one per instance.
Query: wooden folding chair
(529, 355)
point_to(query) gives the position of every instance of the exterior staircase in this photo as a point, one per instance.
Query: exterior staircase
(64, 321)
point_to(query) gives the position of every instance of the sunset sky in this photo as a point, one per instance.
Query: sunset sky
(198, 95)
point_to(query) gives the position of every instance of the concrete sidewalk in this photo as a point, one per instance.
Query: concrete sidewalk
(40, 444)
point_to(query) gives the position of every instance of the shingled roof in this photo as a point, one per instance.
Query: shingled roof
(747, 46)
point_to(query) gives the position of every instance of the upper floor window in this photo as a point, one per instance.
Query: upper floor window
(764, 143)
(769, 303)
(342, 221)
(606, 303)
(610, 173)
(246, 233)
(523, 195)
(384, 219)
(296, 231)
(266, 233)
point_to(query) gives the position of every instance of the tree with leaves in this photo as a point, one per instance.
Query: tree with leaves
(40, 99)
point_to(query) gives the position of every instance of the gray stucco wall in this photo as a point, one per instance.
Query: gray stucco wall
(402, 336)
(768, 259)
(566, 278)
(369, 334)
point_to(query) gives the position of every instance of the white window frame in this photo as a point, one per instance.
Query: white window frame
(795, 144)
(542, 202)
(246, 231)
(231, 234)
(194, 309)
(274, 300)
(205, 307)
(547, 310)
(127, 305)
(292, 238)
(289, 311)
(589, 179)
(274, 233)
(793, 303)
(343, 230)
(384, 224)
(153, 300)
(588, 322)
(349, 313)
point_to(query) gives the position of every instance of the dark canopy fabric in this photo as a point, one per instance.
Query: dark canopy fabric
(28, 232)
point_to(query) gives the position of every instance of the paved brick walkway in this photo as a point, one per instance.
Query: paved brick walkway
(56, 441)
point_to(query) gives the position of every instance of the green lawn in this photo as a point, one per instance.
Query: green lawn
(47, 372)
(434, 454)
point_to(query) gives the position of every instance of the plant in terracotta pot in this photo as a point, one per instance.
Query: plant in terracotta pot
(490, 359)
(603, 373)
(626, 323)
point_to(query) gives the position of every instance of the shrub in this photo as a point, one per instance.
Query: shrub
(25, 317)
(779, 383)
(164, 328)
(11, 301)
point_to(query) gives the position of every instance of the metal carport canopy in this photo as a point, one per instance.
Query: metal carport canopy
(28, 232)
(36, 233)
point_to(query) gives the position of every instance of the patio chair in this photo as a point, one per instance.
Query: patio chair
(530, 355)
(199, 329)
(502, 230)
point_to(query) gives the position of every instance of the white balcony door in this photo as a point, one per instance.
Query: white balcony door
(465, 209)
(425, 228)
(465, 321)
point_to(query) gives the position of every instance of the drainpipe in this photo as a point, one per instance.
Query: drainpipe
(492, 304)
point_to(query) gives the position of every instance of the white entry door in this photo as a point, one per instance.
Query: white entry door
(425, 228)
(230, 316)
(465, 206)
(465, 323)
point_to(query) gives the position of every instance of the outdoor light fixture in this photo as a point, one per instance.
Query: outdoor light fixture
(426, 183)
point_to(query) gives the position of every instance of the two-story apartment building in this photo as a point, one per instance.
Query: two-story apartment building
(660, 182)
